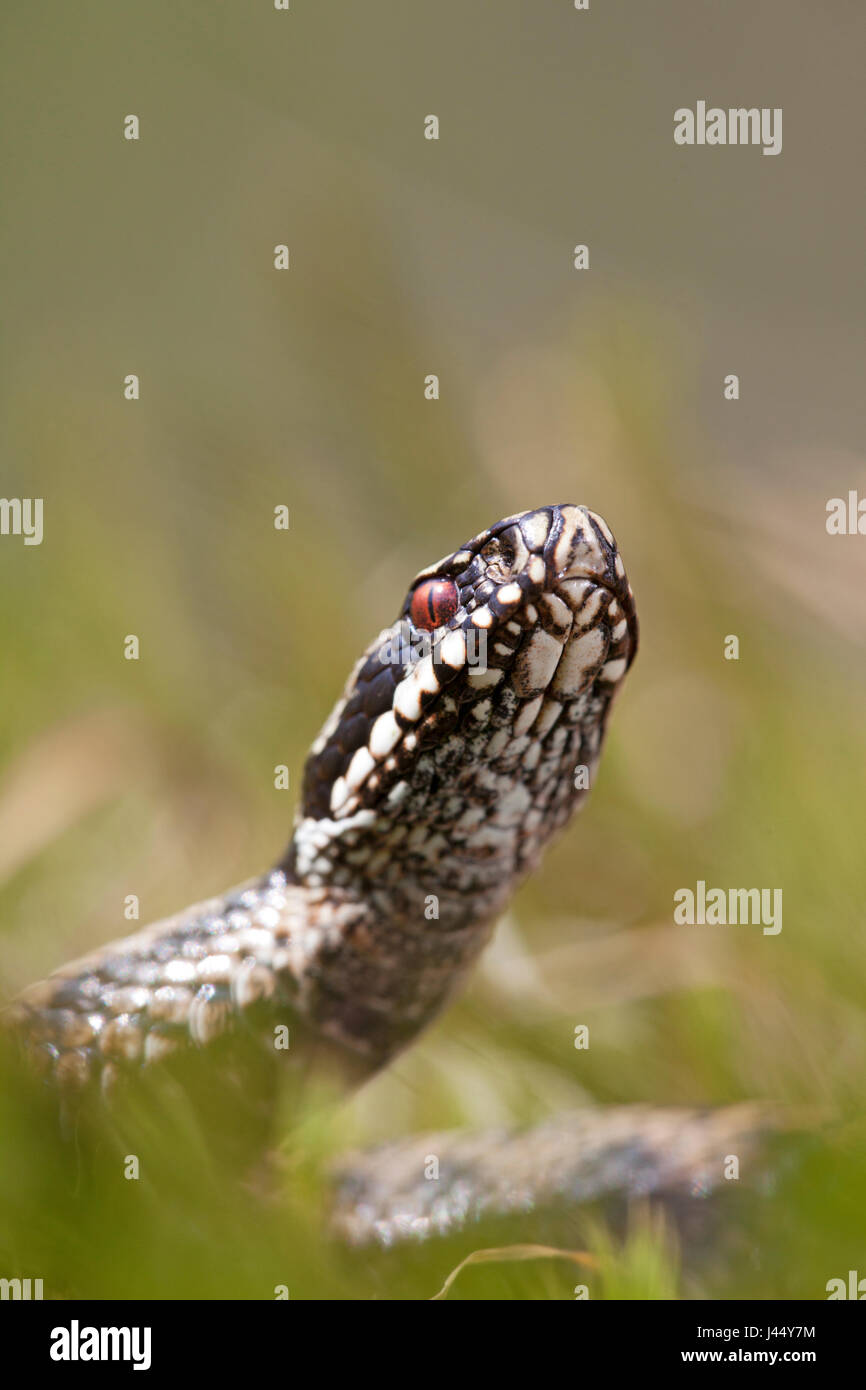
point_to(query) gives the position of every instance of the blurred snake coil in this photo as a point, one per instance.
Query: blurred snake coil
(467, 735)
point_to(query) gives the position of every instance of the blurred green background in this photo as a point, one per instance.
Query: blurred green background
(306, 388)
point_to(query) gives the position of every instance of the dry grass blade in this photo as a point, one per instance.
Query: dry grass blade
(503, 1253)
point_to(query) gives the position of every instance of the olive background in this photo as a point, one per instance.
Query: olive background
(305, 388)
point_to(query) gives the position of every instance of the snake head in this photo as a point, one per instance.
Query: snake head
(563, 558)
(460, 730)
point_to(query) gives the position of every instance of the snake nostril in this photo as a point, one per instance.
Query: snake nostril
(500, 557)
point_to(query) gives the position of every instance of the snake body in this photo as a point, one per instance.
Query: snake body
(467, 735)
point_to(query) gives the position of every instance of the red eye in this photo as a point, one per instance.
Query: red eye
(433, 603)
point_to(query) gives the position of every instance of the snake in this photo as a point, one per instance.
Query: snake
(468, 734)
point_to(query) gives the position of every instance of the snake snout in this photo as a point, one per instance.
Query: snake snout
(580, 545)
(585, 567)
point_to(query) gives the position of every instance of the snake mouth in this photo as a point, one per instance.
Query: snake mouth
(581, 551)
(583, 590)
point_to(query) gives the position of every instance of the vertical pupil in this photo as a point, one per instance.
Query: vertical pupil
(433, 603)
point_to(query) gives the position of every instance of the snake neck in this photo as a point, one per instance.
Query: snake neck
(398, 905)
(385, 954)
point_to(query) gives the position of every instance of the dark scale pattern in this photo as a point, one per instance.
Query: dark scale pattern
(432, 790)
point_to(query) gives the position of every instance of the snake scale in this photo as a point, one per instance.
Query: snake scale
(467, 735)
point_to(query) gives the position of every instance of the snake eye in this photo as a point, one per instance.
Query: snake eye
(433, 603)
